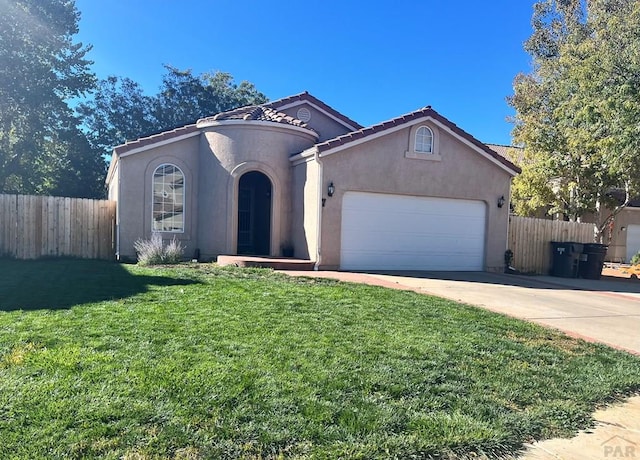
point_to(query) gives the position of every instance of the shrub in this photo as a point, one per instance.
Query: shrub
(635, 260)
(155, 252)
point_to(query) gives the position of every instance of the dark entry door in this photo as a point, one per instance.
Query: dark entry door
(254, 214)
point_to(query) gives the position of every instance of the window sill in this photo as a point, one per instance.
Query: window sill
(423, 156)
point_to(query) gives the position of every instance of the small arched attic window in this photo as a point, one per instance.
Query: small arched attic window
(424, 140)
(168, 199)
(423, 143)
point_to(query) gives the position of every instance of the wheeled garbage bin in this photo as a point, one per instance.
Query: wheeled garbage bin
(566, 258)
(592, 261)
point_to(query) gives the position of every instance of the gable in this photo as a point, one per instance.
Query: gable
(323, 119)
(425, 115)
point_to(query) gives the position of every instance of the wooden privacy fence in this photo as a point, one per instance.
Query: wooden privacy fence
(39, 226)
(529, 240)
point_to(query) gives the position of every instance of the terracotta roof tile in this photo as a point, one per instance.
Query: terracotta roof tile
(159, 137)
(305, 96)
(506, 151)
(424, 112)
(257, 113)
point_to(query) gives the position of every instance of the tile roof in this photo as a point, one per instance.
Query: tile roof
(305, 96)
(401, 120)
(159, 137)
(507, 151)
(256, 113)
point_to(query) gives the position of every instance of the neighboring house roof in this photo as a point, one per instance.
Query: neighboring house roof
(506, 151)
(361, 134)
(620, 195)
(306, 97)
(256, 113)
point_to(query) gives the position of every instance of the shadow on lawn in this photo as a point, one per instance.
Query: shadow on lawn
(55, 284)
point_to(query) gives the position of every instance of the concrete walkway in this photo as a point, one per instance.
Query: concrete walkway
(606, 311)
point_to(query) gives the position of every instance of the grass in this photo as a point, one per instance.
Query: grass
(99, 360)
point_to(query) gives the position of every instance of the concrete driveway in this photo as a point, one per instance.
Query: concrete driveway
(606, 310)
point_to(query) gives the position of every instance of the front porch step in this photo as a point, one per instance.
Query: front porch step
(276, 263)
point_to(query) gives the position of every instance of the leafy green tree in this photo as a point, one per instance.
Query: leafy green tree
(577, 112)
(41, 69)
(120, 111)
(117, 111)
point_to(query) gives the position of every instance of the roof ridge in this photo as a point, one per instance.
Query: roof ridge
(306, 96)
(256, 113)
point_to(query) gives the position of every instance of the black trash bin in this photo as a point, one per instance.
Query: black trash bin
(566, 258)
(592, 261)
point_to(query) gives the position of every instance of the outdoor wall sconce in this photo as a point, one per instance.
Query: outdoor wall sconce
(622, 229)
(331, 189)
(501, 201)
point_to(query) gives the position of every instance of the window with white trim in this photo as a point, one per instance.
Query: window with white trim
(168, 199)
(424, 140)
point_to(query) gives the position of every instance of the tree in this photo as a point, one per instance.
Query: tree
(41, 69)
(577, 112)
(120, 111)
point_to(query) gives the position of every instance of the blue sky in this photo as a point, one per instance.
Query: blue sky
(371, 60)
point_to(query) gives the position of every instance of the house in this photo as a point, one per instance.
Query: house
(296, 177)
(622, 236)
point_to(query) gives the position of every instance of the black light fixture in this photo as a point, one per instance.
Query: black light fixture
(331, 189)
(501, 201)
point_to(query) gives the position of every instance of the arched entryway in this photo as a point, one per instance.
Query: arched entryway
(254, 214)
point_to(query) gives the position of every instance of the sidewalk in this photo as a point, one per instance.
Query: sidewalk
(615, 436)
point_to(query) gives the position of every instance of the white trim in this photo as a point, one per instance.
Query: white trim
(412, 123)
(118, 214)
(423, 156)
(255, 123)
(320, 184)
(156, 144)
(112, 166)
(330, 115)
(304, 156)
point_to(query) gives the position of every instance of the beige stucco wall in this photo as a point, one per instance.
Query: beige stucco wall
(135, 194)
(380, 166)
(616, 237)
(228, 152)
(304, 209)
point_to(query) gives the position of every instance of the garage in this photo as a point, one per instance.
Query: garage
(397, 232)
(633, 241)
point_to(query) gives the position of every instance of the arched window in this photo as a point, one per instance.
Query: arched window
(168, 199)
(424, 140)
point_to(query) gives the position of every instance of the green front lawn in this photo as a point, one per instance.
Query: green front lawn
(99, 360)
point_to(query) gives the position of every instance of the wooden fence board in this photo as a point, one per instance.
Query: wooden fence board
(37, 226)
(530, 239)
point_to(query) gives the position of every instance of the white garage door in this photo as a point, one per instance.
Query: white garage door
(393, 232)
(633, 241)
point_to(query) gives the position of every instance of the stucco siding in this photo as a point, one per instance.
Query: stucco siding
(616, 236)
(304, 212)
(380, 166)
(135, 194)
(228, 152)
